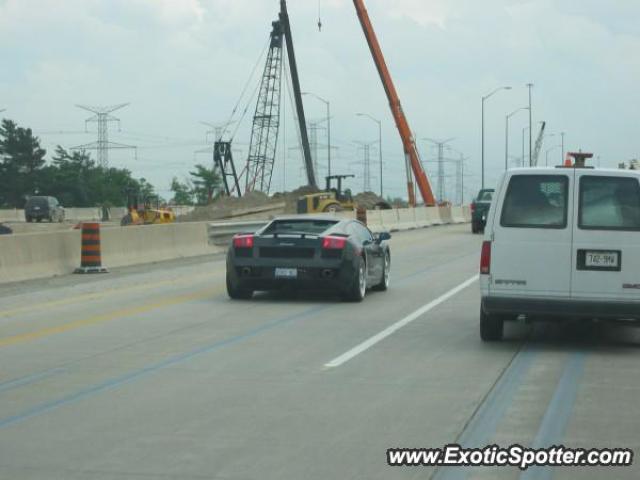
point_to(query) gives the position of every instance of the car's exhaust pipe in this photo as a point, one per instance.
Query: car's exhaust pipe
(246, 271)
(327, 273)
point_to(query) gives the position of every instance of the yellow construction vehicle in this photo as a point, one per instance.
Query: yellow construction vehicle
(331, 200)
(147, 213)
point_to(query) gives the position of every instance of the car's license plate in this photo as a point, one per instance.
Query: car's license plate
(602, 259)
(36, 208)
(286, 273)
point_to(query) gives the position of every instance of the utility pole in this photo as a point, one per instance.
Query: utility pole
(530, 85)
(102, 117)
(562, 159)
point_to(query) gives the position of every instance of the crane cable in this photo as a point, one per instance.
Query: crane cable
(319, 18)
(244, 91)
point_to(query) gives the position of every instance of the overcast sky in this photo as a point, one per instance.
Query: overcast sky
(180, 62)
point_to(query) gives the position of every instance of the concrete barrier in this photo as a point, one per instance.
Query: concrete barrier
(390, 219)
(407, 219)
(457, 215)
(41, 255)
(11, 215)
(433, 214)
(467, 213)
(37, 255)
(123, 246)
(445, 215)
(374, 220)
(422, 218)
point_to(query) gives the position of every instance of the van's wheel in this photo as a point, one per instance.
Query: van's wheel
(39, 219)
(28, 219)
(235, 292)
(491, 327)
(333, 207)
(474, 227)
(358, 287)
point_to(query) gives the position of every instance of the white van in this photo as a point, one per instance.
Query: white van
(561, 243)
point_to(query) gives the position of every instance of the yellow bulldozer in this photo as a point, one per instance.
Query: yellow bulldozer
(147, 212)
(330, 200)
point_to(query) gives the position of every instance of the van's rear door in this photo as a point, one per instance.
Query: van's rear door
(531, 247)
(606, 236)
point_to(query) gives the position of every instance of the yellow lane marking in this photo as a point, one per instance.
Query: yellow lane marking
(105, 317)
(85, 297)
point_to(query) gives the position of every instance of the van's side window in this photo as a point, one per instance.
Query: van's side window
(536, 201)
(609, 203)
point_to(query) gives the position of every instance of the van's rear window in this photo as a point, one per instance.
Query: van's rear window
(609, 203)
(536, 201)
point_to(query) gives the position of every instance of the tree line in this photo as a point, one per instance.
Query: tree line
(76, 180)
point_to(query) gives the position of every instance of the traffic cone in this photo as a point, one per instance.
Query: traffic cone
(90, 256)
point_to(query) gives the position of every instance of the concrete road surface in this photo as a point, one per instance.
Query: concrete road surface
(153, 372)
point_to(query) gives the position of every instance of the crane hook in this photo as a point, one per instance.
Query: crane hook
(319, 18)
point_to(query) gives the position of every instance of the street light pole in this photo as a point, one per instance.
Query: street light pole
(530, 85)
(506, 137)
(486, 97)
(546, 161)
(562, 159)
(379, 144)
(327, 103)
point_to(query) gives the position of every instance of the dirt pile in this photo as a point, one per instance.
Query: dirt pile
(228, 207)
(371, 201)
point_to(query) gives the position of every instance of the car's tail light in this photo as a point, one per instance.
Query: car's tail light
(243, 241)
(473, 207)
(485, 258)
(334, 243)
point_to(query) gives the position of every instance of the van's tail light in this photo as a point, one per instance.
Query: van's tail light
(473, 207)
(334, 243)
(243, 241)
(485, 258)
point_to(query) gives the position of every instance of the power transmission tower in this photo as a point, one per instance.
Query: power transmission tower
(441, 174)
(102, 117)
(366, 160)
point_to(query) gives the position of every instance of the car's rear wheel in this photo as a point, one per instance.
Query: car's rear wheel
(236, 292)
(474, 227)
(39, 219)
(386, 270)
(491, 327)
(358, 288)
(28, 219)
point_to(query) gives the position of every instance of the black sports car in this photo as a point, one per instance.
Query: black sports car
(316, 253)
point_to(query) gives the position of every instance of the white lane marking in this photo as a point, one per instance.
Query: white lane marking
(367, 344)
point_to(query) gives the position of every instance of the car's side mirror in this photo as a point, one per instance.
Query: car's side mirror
(382, 237)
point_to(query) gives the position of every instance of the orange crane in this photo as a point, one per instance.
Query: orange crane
(408, 142)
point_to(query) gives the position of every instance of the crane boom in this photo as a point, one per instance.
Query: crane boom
(408, 142)
(297, 93)
(536, 151)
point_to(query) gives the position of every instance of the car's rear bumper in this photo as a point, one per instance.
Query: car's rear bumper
(561, 308)
(259, 277)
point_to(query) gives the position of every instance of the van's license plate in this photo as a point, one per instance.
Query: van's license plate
(286, 273)
(601, 259)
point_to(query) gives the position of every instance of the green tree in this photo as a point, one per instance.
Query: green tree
(182, 192)
(21, 164)
(206, 184)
